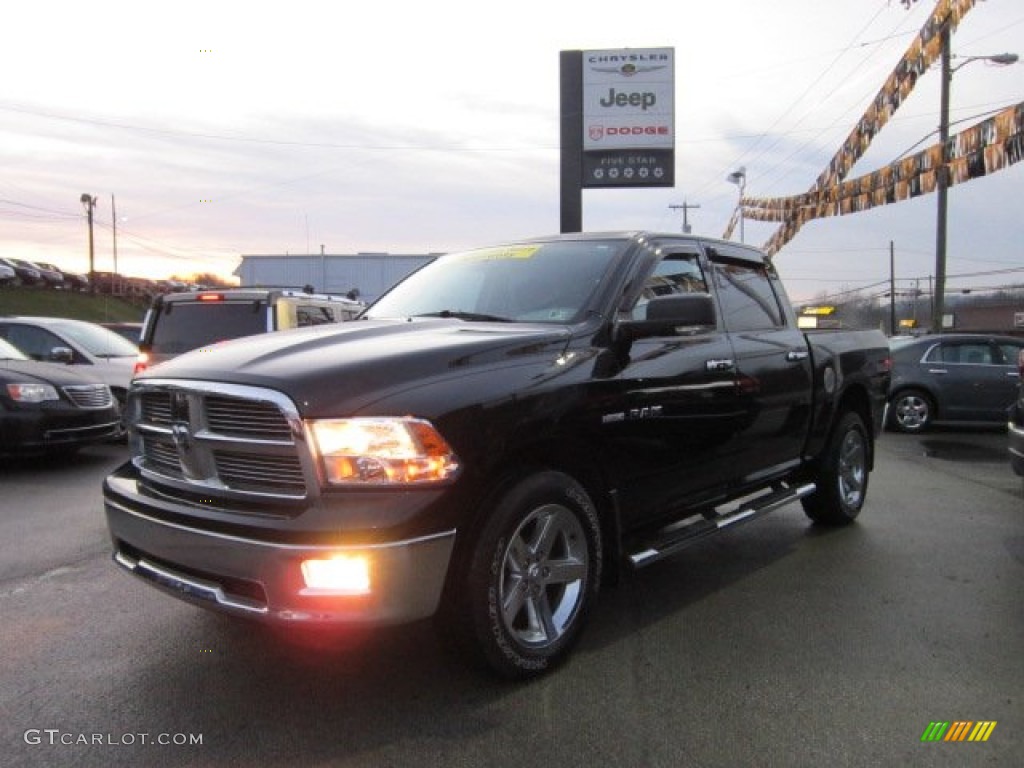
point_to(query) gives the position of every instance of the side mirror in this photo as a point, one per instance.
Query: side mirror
(681, 314)
(62, 355)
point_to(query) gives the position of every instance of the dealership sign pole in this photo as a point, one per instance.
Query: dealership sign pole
(617, 126)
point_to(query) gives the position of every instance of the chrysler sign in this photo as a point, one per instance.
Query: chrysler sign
(628, 117)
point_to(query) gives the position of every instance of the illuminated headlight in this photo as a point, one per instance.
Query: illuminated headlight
(382, 451)
(31, 393)
(337, 574)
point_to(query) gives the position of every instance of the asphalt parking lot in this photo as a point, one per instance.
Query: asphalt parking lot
(777, 644)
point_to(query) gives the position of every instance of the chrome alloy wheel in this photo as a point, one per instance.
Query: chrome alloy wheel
(853, 468)
(543, 576)
(912, 412)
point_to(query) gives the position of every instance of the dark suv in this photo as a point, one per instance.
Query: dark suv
(180, 322)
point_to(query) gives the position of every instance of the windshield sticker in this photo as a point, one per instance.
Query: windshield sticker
(501, 253)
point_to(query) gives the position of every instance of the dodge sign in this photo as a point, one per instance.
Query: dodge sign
(628, 118)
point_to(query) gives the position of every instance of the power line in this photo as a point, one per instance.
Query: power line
(800, 98)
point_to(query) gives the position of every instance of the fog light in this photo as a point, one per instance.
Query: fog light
(337, 575)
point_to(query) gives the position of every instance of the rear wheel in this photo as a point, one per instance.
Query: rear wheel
(911, 411)
(842, 478)
(533, 576)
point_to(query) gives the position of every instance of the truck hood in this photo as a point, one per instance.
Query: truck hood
(342, 368)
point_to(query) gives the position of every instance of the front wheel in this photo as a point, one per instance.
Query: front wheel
(842, 477)
(533, 575)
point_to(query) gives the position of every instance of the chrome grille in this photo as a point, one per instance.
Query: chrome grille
(223, 441)
(240, 471)
(162, 455)
(90, 395)
(156, 407)
(244, 418)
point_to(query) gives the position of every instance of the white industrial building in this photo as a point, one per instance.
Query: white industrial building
(371, 274)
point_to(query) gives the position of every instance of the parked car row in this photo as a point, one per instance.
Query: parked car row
(138, 287)
(40, 274)
(43, 275)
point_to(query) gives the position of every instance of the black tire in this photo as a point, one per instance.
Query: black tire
(842, 476)
(533, 575)
(911, 411)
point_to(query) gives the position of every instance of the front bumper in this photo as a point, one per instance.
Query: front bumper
(264, 580)
(39, 430)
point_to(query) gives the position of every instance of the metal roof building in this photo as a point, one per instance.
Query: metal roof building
(371, 274)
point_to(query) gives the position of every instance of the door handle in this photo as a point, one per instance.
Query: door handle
(937, 370)
(724, 364)
(796, 355)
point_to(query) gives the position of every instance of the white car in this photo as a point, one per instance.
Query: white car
(7, 275)
(103, 353)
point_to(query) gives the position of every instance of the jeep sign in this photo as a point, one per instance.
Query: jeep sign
(627, 99)
(628, 117)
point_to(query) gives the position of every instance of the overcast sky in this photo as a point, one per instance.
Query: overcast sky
(227, 128)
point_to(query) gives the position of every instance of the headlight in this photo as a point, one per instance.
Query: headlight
(382, 451)
(31, 393)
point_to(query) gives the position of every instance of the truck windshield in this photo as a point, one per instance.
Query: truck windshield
(524, 282)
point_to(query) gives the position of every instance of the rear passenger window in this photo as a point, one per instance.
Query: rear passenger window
(1011, 353)
(748, 300)
(961, 354)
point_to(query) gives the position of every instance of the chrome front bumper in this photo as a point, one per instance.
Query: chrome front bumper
(264, 580)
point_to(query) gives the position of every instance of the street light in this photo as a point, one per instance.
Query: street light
(941, 176)
(90, 202)
(739, 178)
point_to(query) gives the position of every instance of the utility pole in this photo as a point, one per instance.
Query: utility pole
(685, 207)
(892, 289)
(942, 183)
(942, 179)
(90, 202)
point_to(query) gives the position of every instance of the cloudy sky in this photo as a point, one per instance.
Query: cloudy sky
(223, 128)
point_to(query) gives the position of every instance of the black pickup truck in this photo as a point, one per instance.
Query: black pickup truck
(493, 440)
